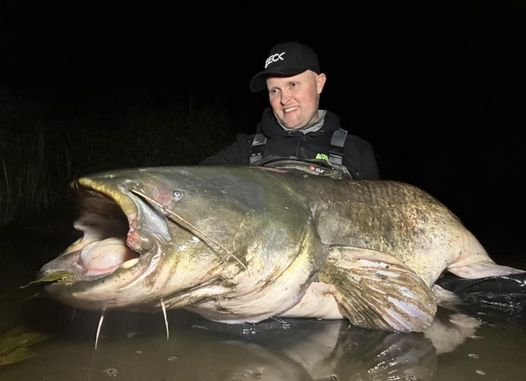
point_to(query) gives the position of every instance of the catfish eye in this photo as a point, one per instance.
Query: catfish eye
(177, 195)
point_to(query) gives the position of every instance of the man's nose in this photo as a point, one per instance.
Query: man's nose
(285, 96)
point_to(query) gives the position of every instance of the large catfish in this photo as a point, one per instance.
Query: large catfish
(243, 244)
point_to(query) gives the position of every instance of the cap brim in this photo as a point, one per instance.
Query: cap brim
(259, 81)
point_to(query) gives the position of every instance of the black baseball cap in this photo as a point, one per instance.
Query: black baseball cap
(286, 59)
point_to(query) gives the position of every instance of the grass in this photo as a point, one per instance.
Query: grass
(43, 147)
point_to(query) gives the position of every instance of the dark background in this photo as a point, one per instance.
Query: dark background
(437, 88)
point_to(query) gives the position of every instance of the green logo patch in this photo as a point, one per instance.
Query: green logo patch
(322, 156)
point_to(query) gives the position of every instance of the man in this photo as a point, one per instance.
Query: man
(294, 126)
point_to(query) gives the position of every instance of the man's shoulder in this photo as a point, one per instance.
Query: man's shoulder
(356, 139)
(243, 137)
(357, 143)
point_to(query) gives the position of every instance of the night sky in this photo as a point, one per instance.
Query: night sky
(438, 89)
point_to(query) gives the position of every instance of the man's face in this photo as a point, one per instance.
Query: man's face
(295, 100)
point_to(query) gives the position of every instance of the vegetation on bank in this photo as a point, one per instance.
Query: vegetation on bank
(45, 145)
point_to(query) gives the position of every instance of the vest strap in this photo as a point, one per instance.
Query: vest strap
(337, 144)
(256, 150)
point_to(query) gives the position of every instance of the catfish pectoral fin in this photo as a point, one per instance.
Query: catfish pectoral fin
(376, 290)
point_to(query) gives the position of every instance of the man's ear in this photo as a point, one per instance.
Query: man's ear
(320, 82)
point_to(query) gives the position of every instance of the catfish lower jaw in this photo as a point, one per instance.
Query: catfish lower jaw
(100, 291)
(83, 265)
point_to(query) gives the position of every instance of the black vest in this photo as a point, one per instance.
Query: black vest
(335, 150)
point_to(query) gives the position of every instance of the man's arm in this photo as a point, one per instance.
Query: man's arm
(235, 153)
(359, 157)
(369, 165)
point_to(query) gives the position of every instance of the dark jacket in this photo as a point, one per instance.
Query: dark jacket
(358, 154)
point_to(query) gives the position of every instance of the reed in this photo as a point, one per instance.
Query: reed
(42, 151)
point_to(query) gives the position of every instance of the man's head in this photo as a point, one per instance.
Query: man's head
(294, 81)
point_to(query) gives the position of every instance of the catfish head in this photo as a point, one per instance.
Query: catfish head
(231, 243)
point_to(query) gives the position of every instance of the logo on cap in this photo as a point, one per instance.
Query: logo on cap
(274, 58)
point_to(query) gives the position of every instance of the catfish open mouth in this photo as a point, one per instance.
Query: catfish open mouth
(116, 234)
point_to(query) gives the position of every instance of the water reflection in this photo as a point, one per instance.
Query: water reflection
(133, 347)
(335, 351)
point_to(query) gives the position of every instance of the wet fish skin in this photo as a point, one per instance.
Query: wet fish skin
(242, 244)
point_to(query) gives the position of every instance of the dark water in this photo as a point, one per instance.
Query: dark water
(134, 346)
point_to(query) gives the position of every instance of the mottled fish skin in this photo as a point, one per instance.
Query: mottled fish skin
(390, 217)
(242, 244)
